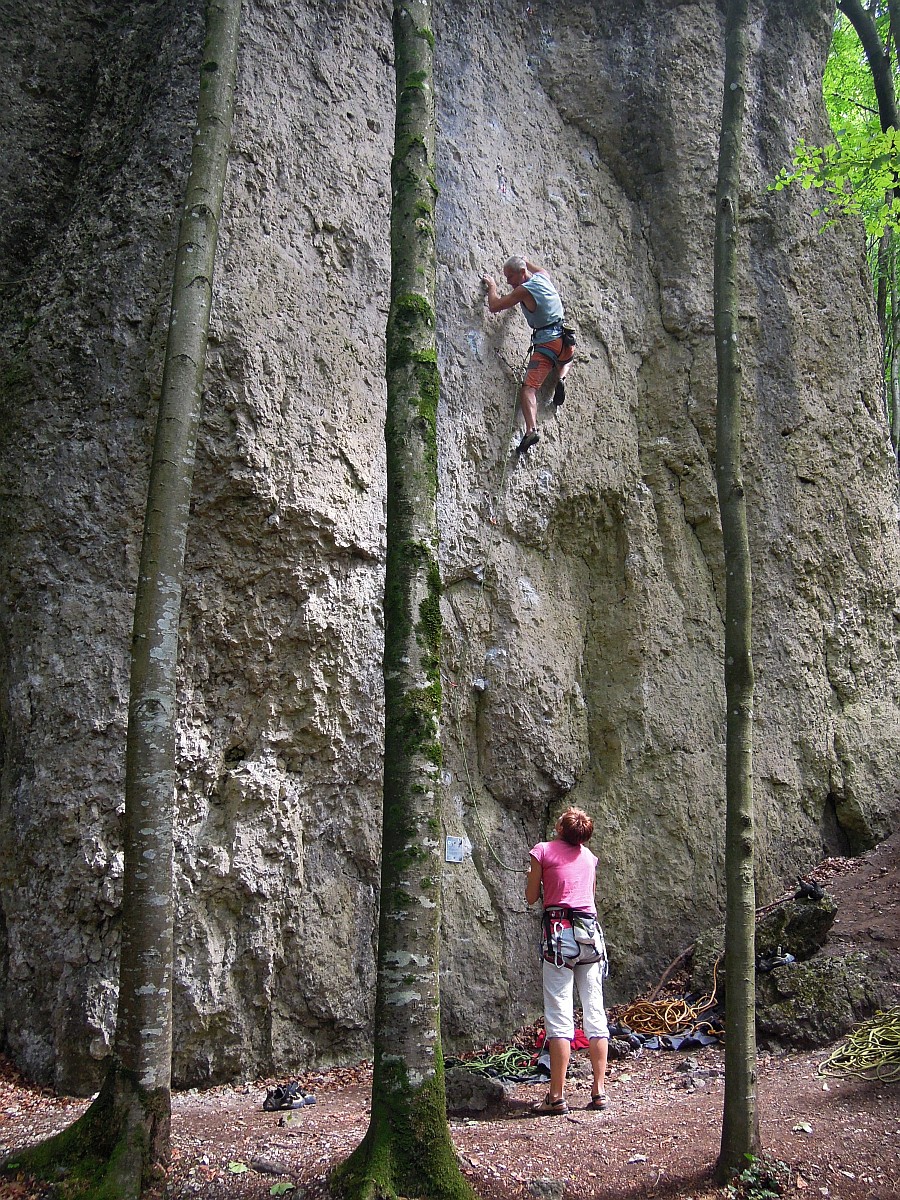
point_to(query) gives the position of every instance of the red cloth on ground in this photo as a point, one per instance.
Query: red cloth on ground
(579, 1041)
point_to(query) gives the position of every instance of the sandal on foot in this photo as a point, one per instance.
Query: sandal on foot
(550, 1108)
(599, 1102)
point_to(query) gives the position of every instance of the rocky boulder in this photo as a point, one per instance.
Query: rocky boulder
(472, 1094)
(797, 927)
(809, 1004)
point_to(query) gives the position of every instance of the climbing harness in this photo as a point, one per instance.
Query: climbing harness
(872, 1051)
(586, 931)
(566, 334)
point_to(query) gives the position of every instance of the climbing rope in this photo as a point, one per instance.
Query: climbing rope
(500, 1063)
(872, 1051)
(658, 1017)
(466, 665)
(454, 708)
(518, 374)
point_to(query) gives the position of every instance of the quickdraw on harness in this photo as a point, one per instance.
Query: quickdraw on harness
(566, 332)
(586, 931)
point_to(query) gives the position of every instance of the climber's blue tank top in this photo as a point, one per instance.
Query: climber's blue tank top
(549, 310)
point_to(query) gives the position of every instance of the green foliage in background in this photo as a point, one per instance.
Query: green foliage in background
(763, 1178)
(855, 174)
(858, 174)
(858, 170)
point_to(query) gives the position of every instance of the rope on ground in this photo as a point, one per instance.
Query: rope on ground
(668, 1016)
(871, 1051)
(504, 1062)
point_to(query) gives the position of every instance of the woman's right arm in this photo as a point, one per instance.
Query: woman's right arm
(533, 882)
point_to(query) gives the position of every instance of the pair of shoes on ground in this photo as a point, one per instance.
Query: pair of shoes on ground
(286, 1096)
(528, 441)
(549, 1107)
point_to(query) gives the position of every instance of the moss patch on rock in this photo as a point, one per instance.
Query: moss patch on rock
(813, 1003)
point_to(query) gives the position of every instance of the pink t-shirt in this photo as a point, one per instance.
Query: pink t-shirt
(567, 873)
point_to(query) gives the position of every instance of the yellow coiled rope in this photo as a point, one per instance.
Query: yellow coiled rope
(871, 1051)
(667, 1016)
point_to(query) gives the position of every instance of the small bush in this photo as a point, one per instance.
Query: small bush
(763, 1178)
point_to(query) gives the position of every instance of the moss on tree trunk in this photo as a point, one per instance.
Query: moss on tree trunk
(116, 1149)
(120, 1144)
(740, 1126)
(407, 1149)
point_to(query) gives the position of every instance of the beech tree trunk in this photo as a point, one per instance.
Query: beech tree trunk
(407, 1149)
(740, 1125)
(143, 1032)
(893, 357)
(122, 1141)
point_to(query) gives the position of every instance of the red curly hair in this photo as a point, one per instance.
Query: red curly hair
(575, 826)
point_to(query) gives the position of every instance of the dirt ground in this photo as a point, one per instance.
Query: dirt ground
(658, 1138)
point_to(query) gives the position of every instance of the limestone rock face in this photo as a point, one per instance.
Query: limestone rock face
(584, 582)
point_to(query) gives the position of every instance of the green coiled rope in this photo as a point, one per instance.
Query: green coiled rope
(504, 1062)
(872, 1051)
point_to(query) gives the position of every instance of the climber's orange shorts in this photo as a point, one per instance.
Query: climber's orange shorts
(540, 365)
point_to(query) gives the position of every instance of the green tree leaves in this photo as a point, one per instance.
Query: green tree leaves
(861, 166)
(856, 173)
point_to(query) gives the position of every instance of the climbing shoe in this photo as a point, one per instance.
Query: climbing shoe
(770, 961)
(559, 394)
(528, 441)
(808, 891)
(283, 1096)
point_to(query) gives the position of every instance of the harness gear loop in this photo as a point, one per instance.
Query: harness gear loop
(556, 930)
(587, 933)
(566, 334)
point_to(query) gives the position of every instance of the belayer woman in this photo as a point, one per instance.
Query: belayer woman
(565, 872)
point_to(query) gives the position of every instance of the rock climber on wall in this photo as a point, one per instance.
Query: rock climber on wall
(552, 347)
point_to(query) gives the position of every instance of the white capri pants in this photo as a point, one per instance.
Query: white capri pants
(559, 982)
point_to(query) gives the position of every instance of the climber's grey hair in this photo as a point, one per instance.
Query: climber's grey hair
(516, 263)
